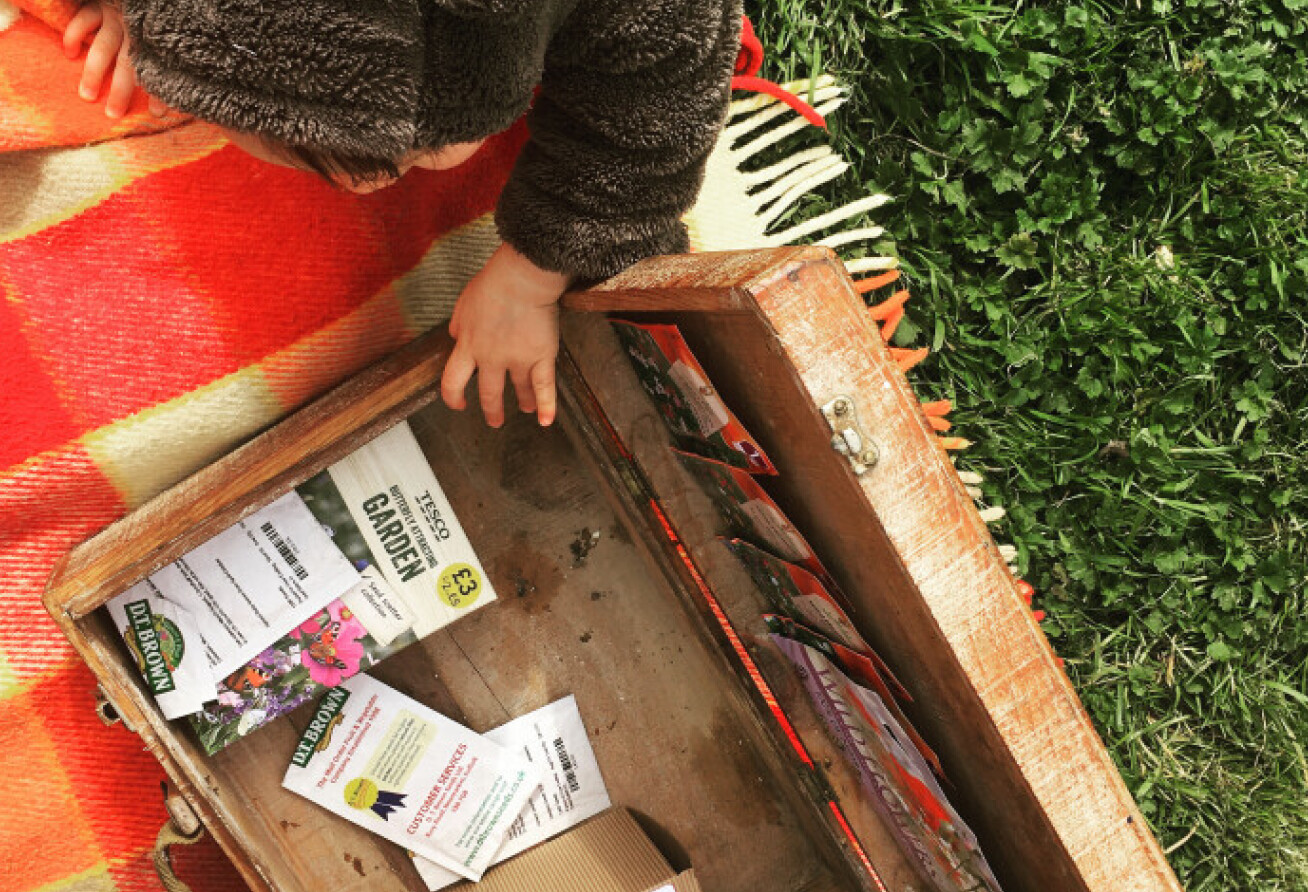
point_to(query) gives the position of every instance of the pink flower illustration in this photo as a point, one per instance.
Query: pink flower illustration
(331, 651)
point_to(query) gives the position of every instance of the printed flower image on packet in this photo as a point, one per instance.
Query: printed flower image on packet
(687, 400)
(319, 654)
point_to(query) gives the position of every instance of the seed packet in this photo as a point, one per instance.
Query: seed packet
(896, 779)
(869, 671)
(393, 500)
(689, 404)
(227, 600)
(318, 654)
(751, 514)
(163, 640)
(798, 594)
(389, 606)
(553, 738)
(407, 773)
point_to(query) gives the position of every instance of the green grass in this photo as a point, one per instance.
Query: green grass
(1103, 213)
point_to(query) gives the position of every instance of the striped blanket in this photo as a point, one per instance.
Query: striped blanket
(162, 297)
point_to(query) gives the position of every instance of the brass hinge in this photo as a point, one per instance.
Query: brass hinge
(848, 437)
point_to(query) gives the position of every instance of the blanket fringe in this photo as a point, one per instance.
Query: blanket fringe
(757, 124)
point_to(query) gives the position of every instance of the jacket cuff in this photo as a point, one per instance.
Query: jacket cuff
(555, 238)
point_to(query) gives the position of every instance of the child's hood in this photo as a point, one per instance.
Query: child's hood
(346, 75)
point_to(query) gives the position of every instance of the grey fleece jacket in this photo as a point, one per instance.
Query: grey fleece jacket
(632, 94)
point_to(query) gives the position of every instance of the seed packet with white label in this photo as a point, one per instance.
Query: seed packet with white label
(688, 402)
(407, 773)
(239, 592)
(163, 639)
(411, 531)
(894, 776)
(752, 515)
(553, 738)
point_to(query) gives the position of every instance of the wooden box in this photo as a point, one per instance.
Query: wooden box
(613, 586)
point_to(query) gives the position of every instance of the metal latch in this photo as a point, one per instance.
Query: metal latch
(848, 437)
(107, 711)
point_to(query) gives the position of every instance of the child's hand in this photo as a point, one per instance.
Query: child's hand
(506, 320)
(108, 53)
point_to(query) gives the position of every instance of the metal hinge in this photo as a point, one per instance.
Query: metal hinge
(847, 437)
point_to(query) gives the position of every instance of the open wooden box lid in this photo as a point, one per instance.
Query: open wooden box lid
(782, 335)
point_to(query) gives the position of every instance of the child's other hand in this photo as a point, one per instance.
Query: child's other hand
(506, 321)
(107, 56)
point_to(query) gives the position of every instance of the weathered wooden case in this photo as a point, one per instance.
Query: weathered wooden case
(613, 586)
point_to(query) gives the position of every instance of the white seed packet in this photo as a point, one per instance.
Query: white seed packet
(168, 649)
(554, 739)
(411, 530)
(407, 773)
(235, 595)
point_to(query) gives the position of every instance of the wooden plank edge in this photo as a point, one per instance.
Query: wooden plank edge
(712, 282)
(1114, 821)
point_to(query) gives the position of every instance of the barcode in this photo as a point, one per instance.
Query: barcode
(569, 771)
(284, 550)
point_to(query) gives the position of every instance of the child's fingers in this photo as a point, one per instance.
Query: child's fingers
(100, 58)
(454, 382)
(86, 20)
(158, 107)
(121, 87)
(490, 387)
(522, 387)
(542, 385)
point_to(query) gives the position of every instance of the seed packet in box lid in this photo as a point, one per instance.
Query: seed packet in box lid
(897, 781)
(870, 672)
(752, 515)
(800, 595)
(407, 773)
(690, 405)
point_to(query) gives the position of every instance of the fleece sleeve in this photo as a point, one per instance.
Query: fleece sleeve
(631, 102)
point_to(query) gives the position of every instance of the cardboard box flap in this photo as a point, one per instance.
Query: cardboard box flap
(609, 853)
(684, 882)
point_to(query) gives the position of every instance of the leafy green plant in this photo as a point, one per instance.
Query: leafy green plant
(1102, 210)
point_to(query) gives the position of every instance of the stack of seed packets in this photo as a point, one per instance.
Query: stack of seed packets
(459, 801)
(853, 689)
(893, 775)
(354, 564)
